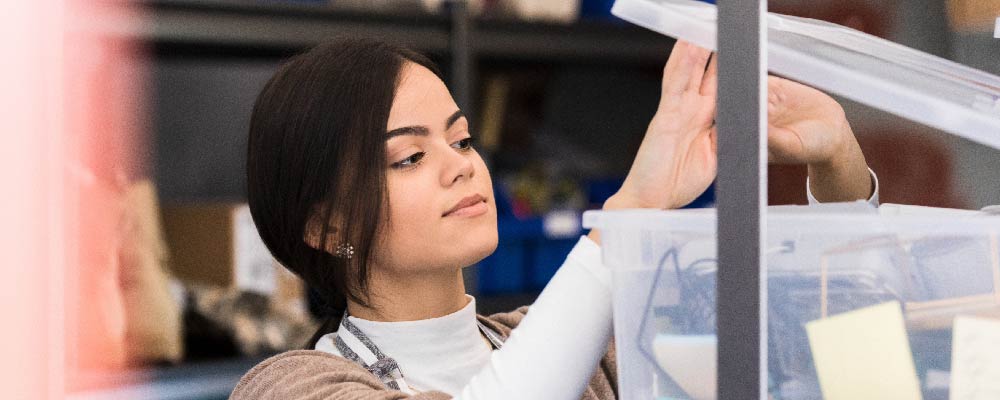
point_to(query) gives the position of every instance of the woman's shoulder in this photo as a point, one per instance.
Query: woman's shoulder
(300, 374)
(295, 359)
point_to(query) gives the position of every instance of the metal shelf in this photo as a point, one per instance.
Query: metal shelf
(583, 41)
(289, 26)
(295, 26)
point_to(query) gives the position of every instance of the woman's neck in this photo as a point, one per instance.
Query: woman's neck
(412, 297)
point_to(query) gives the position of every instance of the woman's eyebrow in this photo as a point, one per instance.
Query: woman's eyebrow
(420, 130)
(453, 118)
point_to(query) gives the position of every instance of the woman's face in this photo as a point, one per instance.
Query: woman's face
(441, 212)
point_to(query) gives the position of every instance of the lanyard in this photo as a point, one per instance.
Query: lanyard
(354, 345)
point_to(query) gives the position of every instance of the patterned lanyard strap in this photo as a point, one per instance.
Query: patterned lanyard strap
(354, 345)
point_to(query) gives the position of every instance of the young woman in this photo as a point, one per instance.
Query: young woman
(363, 180)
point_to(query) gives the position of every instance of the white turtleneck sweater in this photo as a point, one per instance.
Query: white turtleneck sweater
(438, 353)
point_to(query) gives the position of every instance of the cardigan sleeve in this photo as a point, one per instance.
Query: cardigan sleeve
(315, 375)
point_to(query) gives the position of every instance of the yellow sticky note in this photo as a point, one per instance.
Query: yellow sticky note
(975, 359)
(864, 354)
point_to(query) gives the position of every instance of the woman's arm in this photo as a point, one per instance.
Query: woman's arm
(805, 126)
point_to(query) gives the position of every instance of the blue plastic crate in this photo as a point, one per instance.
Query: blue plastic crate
(547, 256)
(504, 271)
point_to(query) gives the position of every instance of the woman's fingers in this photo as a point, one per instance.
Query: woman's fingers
(670, 71)
(699, 63)
(784, 146)
(710, 83)
(685, 68)
(713, 136)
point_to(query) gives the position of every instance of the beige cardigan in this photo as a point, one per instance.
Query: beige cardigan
(314, 375)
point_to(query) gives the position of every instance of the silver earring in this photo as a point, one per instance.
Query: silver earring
(344, 250)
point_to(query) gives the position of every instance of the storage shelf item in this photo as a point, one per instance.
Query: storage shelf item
(912, 84)
(928, 267)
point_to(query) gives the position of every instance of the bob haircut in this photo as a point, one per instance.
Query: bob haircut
(316, 163)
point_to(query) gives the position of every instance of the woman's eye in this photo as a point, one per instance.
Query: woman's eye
(464, 144)
(409, 161)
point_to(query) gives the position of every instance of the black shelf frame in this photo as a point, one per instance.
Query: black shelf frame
(287, 26)
(297, 26)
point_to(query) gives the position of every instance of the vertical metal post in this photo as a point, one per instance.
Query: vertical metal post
(462, 57)
(742, 200)
(462, 87)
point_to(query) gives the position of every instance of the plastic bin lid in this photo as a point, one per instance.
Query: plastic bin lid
(822, 219)
(912, 84)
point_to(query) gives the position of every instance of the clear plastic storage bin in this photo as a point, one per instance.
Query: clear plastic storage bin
(932, 267)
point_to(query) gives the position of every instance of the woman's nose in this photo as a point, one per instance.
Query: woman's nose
(458, 165)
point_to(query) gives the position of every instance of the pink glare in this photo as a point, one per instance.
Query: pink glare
(72, 121)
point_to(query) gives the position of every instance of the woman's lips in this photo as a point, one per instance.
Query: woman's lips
(470, 206)
(474, 210)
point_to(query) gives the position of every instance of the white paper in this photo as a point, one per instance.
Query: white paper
(254, 264)
(561, 224)
(690, 361)
(975, 359)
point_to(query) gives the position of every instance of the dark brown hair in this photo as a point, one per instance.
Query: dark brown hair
(316, 155)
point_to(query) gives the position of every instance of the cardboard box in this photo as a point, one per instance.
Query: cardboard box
(218, 245)
(153, 327)
(973, 15)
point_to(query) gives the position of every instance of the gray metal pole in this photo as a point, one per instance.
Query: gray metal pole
(462, 87)
(742, 200)
(462, 58)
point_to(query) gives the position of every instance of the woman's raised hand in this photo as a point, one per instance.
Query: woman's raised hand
(805, 126)
(677, 159)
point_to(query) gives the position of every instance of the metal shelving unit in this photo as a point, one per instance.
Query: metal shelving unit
(741, 303)
(190, 26)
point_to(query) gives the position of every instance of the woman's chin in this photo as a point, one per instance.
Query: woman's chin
(476, 252)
